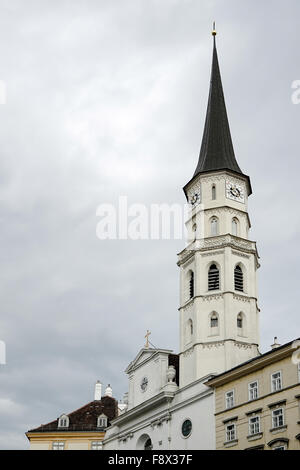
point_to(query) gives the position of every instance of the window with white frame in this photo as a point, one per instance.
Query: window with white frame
(253, 390)
(230, 432)
(254, 425)
(58, 445)
(279, 447)
(96, 445)
(229, 399)
(102, 421)
(277, 418)
(63, 421)
(276, 381)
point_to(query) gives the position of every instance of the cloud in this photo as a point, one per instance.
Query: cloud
(107, 99)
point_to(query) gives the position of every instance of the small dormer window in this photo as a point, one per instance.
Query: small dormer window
(63, 421)
(102, 421)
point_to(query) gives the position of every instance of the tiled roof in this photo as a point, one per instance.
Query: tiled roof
(85, 418)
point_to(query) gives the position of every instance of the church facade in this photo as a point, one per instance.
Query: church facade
(169, 406)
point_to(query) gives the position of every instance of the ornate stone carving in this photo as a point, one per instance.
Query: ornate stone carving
(230, 210)
(213, 253)
(238, 253)
(210, 297)
(188, 352)
(215, 344)
(242, 298)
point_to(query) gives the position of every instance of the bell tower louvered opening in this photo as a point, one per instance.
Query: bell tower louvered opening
(238, 279)
(213, 278)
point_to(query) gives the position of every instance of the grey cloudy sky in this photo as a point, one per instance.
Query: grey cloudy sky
(108, 98)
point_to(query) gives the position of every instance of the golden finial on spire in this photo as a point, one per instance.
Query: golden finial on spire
(214, 32)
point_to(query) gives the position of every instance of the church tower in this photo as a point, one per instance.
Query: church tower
(218, 292)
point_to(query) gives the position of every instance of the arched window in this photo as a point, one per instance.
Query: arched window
(214, 226)
(63, 421)
(214, 321)
(239, 320)
(238, 279)
(191, 285)
(234, 227)
(213, 278)
(102, 421)
(213, 192)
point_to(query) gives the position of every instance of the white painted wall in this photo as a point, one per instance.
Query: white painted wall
(210, 350)
(195, 402)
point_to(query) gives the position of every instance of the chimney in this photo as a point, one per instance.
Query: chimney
(275, 344)
(98, 390)
(108, 391)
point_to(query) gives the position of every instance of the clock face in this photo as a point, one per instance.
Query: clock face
(144, 384)
(235, 192)
(186, 428)
(195, 197)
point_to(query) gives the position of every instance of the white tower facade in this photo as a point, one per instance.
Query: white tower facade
(219, 314)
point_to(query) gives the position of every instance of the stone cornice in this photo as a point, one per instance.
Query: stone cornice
(160, 398)
(252, 365)
(217, 343)
(65, 435)
(217, 296)
(220, 241)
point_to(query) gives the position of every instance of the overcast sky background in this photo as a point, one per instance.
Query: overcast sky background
(108, 98)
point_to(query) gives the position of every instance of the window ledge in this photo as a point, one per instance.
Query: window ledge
(254, 437)
(278, 429)
(231, 443)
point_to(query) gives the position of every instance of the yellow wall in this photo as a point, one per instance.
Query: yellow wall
(290, 392)
(72, 441)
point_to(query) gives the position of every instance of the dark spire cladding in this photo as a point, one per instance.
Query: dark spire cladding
(216, 151)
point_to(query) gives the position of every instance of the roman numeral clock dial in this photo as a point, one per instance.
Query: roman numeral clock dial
(235, 192)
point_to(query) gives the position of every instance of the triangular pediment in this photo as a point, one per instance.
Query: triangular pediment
(145, 355)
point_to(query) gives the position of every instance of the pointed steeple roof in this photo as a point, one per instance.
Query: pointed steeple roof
(216, 151)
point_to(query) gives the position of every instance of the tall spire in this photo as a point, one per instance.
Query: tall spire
(216, 151)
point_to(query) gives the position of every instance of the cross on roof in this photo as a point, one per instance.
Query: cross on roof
(147, 338)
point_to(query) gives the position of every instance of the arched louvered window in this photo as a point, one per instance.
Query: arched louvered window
(214, 226)
(239, 320)
(213, 278)
(213, 192)
(191, 285)
(238, 279)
